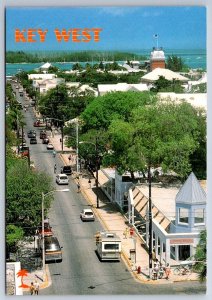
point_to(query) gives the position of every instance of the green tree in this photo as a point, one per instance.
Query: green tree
(175, 63)
(164, 85)
(13, 235)
(116, 105)
(163, 134)
(201, 256)
(23, 197)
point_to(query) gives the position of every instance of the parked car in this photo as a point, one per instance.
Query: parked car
(62, 179)
(23, 150)
(33, 140)
(50, 147)
(66, 170)
(45, 141)
(47, 229)
(87, 215)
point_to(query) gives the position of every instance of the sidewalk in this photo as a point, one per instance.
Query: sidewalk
(113, 220)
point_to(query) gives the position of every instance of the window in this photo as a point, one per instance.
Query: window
(183, 215)
(199, 216)
(111, 246)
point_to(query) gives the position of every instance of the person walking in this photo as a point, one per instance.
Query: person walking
(55, 168)
(36, 286)
(32, 288)
(78, 187)
(167, 271)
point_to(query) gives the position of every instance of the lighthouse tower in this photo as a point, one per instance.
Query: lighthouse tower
(157, 59)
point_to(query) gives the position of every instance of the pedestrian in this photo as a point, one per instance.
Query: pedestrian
(167, 271)
(36, 286)
(125, 233)
(55, 168)
(32, 288)
(89, 182)
(78, 187)
(161, 272)
(131, 232)
(156, 269)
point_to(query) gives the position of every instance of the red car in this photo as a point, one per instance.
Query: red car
(47, 229)
(38, 123)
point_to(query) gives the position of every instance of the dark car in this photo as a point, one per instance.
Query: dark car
(33, 141)
(66, 170)
(45, 141)
(42, 134)
(31, 134)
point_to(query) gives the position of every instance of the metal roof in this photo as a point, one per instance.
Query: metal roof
(191, 192)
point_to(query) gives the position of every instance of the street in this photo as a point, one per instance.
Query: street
(81, 272)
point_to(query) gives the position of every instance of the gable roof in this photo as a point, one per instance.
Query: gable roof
(166, 73)
(191, 192)
(46, 66)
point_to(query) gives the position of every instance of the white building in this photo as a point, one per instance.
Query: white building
(178, 213)
(177, 218)
(82, 87)
(196, 99)
(154, 75)
(121, 87)
(45, 67)
(43, 85)
(41, 76)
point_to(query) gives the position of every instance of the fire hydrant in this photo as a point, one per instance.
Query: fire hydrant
(138, 269)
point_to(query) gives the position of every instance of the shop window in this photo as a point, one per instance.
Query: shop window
(184, 252)
(183, 215)
(199, 216)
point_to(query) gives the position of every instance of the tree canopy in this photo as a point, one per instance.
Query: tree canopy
(141, 130)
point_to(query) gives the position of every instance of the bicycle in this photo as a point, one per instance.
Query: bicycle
(182, 270)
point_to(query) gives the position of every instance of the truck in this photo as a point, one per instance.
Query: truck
(108, 246)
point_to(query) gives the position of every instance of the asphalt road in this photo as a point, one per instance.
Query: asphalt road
(81, 272)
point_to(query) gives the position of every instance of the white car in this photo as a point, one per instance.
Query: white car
(62, 179)
(87, 215)
(50, 147)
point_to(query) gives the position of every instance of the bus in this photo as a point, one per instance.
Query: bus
(108, 246)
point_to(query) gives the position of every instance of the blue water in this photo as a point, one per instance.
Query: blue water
(194, 59)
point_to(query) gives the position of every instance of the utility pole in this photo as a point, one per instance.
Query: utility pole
(150, 220)
(97, 173)
(43, 242)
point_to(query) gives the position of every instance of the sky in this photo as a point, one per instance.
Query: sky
(123, 28)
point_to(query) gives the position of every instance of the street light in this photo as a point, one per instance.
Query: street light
(76, 122)
(97, 163)
(43, 244)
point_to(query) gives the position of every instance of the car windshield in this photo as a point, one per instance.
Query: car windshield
(88, 213)
(52, 244)
(63, 177)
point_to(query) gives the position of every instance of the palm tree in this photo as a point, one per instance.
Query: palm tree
(21, 274)
(200, 256)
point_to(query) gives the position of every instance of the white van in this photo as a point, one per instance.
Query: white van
(108, 246)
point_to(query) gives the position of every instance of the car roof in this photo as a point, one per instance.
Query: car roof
(60, 175)
(87, 210)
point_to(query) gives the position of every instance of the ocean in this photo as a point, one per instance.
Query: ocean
(194, 59)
